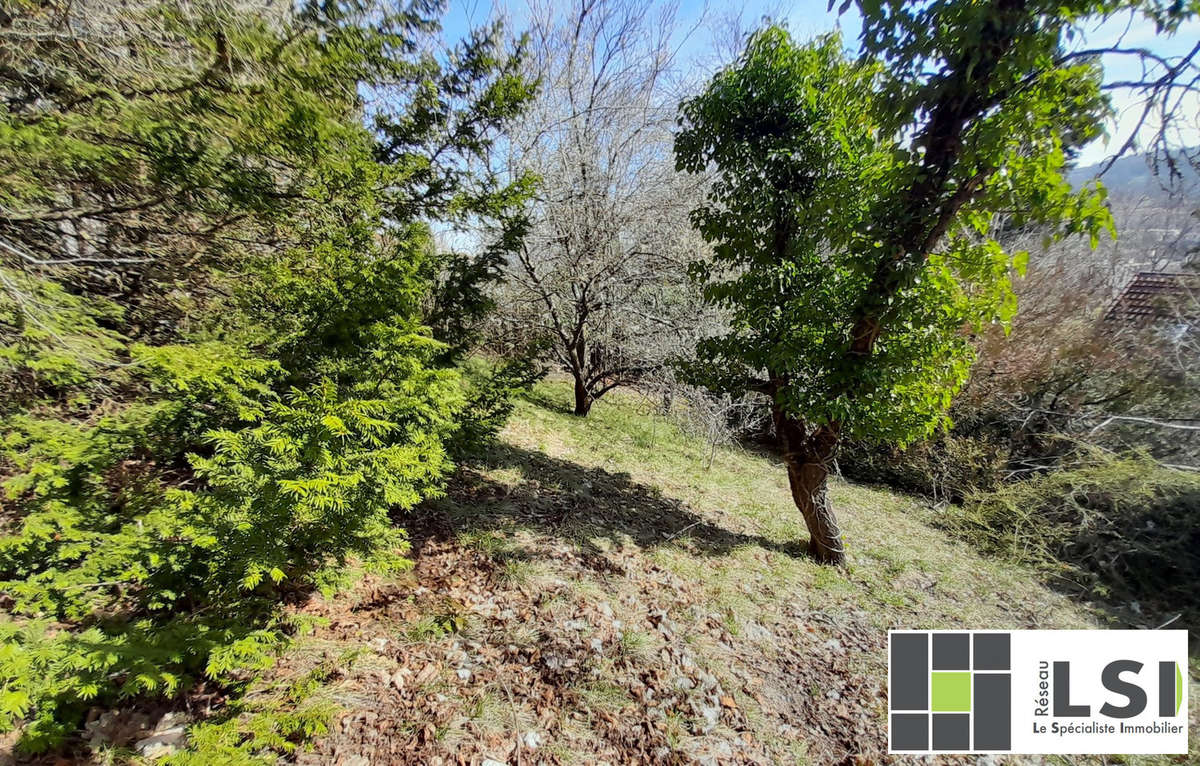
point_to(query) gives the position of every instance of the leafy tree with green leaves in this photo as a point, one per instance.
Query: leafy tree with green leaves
(853, 215)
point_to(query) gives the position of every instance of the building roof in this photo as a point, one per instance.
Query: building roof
(1151, 295)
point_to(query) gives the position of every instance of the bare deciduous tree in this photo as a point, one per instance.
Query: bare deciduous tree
(601, 277)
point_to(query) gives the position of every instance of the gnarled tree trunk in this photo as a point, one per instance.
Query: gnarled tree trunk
(583, 398)
(808, 455)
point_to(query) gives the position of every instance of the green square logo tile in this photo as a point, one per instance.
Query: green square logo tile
(950, 692)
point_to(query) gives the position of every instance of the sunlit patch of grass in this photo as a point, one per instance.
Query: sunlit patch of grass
(675, 729)
(636, 645)
(487, 714)
(508, 476)
(902, 571)
(587, 589)
(493, 713)
(603, 696)
(519, 573)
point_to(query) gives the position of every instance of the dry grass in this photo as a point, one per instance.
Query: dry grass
(903, 572)
(624, 603)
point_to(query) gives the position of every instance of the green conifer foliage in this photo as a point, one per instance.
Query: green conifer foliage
(216, 271)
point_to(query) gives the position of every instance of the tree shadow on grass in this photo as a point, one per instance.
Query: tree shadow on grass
(575, 503)
(547, 401)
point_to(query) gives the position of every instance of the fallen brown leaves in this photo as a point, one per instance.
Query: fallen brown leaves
(548, 672)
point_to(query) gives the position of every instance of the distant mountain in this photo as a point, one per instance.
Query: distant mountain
(1133, 176)
(1158, 230)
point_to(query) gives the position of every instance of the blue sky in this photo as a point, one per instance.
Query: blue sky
(806, 18)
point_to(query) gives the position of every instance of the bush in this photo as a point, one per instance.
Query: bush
(133, 569)
(491, 393)
(217, 386)
(948, 467)
(1122, 528)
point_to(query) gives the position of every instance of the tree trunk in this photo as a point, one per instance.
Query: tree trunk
(808, 480)
(808, 455)
(583, 399)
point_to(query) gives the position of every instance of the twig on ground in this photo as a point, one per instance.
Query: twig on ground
(680, 532)
(1168, 622)
(516, 720)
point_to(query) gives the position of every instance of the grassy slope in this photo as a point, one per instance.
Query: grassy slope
(594, 584)
(902, 573)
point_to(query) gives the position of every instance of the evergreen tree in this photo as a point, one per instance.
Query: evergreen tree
(215, 227)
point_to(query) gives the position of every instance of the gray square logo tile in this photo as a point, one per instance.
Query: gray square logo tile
(910, 731)
(992, 651)
(951, 651)
(951, 731)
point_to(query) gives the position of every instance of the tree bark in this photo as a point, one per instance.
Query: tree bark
(913, 228)
(808, 455)
(583, 399)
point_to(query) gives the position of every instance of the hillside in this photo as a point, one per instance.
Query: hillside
(281, 477)
(1133, 177)
(593, 593)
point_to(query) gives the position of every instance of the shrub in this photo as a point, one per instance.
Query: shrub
(132, 570)
(1122, 528)
(217, 386)
(51, 340)
(491, 393)
(948, 467)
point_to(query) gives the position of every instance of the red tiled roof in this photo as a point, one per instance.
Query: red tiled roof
(1149, 296)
